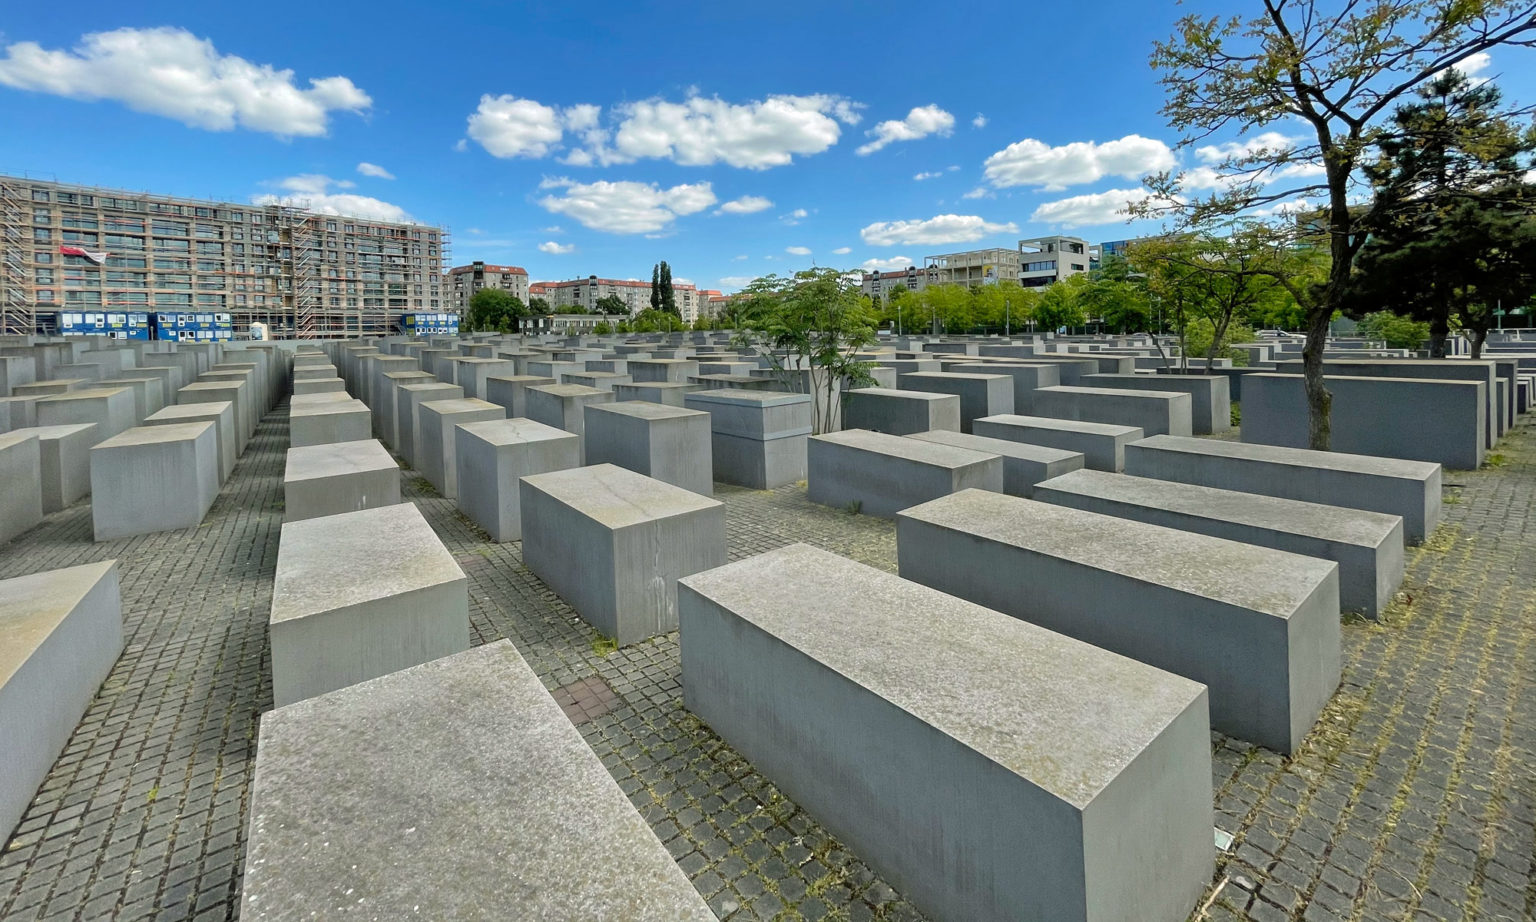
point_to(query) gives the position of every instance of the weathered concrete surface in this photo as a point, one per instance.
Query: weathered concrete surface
(436, 441)
(221, 414)
(881, 474)
(980, 395)
(1102, 445)
(1210, 395)
(153, 478)
(900, 412)
(338, 477)
(21, 482)
(758, 438)
(112, 409)
(1153, 412)
(64, 453)
(493, 455)
(1024, 465)
(670, 444)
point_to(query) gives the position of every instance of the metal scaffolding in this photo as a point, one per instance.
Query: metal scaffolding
(18, 315)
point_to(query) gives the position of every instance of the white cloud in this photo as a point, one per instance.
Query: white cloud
(798, 251)
(980, 121)
(945, 228)
(922, 176)
(794, 217)
(979, 192)
(1269, 142)
(842, 251)
(510, 127)
(625, 207)
(312, 191)
(1034, 163)
(556, 249)
(747, 204)
(554, 229)
(1089, 210)
(1472, 65)
(894, 264)
(740, 258)
(921, 122)
(374, 170)
(171, 72)
(703, 130)
(736, 281)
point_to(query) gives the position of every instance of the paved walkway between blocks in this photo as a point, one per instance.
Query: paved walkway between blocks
(1414, 799)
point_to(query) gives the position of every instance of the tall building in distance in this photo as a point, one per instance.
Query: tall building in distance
(636, 295)
(1043, 260)
(1038, 261)
(463, 281)
(81, 249)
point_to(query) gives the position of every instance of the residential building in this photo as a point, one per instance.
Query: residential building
(462, 282)
(302, 274)
(973, 267)
(1043, 260)
(879, 285)
(636, 295)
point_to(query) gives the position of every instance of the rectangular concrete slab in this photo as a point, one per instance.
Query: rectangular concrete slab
(408, 401)
(900, 412)
(21, 482)
(64, 453)
(338, 477)
(154, 478)
(670, 444)
(882, 474)
(564, 406)
(436, 441)
(493, 455)
(1259, 627)
(511, 391)
(112, 409)
(951, 746)
(220, 413)
(1210, 395)
(1153, 412)
(1102, 445)
(339, 421)
(980, 395)
(1024, 465)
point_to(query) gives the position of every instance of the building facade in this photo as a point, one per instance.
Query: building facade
(462, 282)
(879, 285)
(636, 295)
(1043, 260)
(68, 248)
(974, 267)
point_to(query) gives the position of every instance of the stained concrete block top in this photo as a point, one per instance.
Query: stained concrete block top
(16, 437)
(1331, 523)
(1065, 715)
(931, 396)
(359, 809)
(1175, 396)
(1260, 579)
(336, 459)
(516, 431)
(32, 606)
(947, 376)
(45, 433)
(461, 405)
(1005, 447)
(883, 443)
(742, 397)
(570, 390)
(191, 411)
(337, 561)
(1298, 457)
(1067, 425)
(644, 409)
(617, 498)
(154, 435)
(328, 407)
(89, 393)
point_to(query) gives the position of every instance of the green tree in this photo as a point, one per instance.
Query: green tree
(601, 327)
(492, 310)
(611, 304)
(1397, 331)
(656, 321)
(656, 286)
(668, 294)
(1060, 304)
(1338, 67)
(539, 307)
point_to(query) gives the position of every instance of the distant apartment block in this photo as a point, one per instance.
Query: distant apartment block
(636, 295)
(1043, 260)
(303, 274)
(462, 282)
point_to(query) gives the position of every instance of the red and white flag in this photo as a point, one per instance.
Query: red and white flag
(96, 256)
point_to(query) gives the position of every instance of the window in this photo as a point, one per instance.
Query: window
(42, 276)
(80, 222)
(182, 264)
(42, 234)
(210, 249)
(210, 232)
(42, 256)
(126, 262)
(173, 280)
(39, 195)
(203, 212)
(1047, 265)
(172, 228)
(122, 242)
(41, 216)
(45, 295)
(168, 243)
(131, 225)
(82, 237)
(1078, 266)
(83, 297)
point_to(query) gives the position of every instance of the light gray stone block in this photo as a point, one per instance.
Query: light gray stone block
(951, 746)
(1210, 395)
(564, 406)
(601, 380)
(1024, 465)
(64, 456)
(224, 392)
(1367, 546)
(360, 595)
(153, 478)
(474, 372)
(21, 483)
(1102, 445)
(670, 444)
(1259, 627)
(900, 412)
(112, 409)
(758, 438)
(980, 395)
(436, 441)
(340, 421)
(303, 386)
(221, 414)
(884, 474)
(50, 387)
(60, 633)
(664, 392)
(612, 543)
(408, 401)
(1027, 378)
(16, 370)
(338, 477)
(386, 414)
(511, 391)
(1410, 489)
(1153, 412)
(674, 371)
(493, 455)
(18, 413)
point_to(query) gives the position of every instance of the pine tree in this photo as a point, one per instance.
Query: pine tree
(656, 285)
(668, 297)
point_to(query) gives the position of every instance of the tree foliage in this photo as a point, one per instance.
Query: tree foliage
(611, 304)
(492, 310)
(1397, 331)
(539, 307)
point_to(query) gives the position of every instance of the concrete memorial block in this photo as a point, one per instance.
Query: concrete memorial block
(436, 441)
(951, 746)
(980, 395)
(550, 368)
(564, 406)
(221, 414)
(1418, 419)
(386, 413)
(900, 412)
(1410, 489)
(84, 371)
(50, 387)
(321, 815)
(1259, 627)
(339, 477)
(1486, 372)
(882, 474)
(1367, 546)
(302, 386)
(612, 543)
(153, 478)
(21, 474)
(602, 380)
(112, 409)
(147, 397)
(263, 389)
(474, 374)
(1024, 465)
(248, 402)
(511, 391)
(170, 380)
(666, 392)
(1071, 369)
(60, 633)
(360, 595)
(408, 400)
(18, 413)
(1210, 396)
(16, 370)
(758, 438)
(309, 360)
(675, 371)
(64, 459)
(222, 392)
(1102, 445)
(493, 455)
(338, 421)
(670, 444)
(1153, 412)
(1027, 378)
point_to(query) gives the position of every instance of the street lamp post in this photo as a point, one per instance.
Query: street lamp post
(1007, 318)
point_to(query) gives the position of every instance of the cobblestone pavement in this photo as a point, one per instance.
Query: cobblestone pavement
(1415, 798)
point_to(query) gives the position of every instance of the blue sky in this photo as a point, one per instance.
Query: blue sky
(599, 138)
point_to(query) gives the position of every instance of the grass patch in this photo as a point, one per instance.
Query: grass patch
(853, 507)
(602, 646)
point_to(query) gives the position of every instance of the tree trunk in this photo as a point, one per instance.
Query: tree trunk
(1439, 329)
(1479, 336)
(1319, 400)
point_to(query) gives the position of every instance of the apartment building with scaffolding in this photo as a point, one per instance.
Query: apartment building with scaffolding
(80, 248)
(636, 295)
(462, 282)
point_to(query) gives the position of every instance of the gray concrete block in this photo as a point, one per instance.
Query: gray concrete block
(1024, 465)
(60, 633)
(601, 380)
(1102, 445)
(21, 474)
(493, 455)
(16, 370)
(64, 456)
(664, 392)
(884, 474)
(1153, 412)
(153, 478)
(1210, 395)
(1027, 378)
(386, 409)
(758, 437)
(612, 543)
(436, 441)
(18, 413)
(1410, 489)
(1486, 372)
(475, 372)
(111, 409)
(221, 392)
(951, 746)
(564, 406)
(408, 401)
(511, 391)
(340, 421)
(338, 477)
(900, 412)
(1367, 546)
(48, 388)
(980, 395)
(675, 371)
(221, 414)
(305, 386)
(1259, 627)
(360, 595)
(670, 444)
